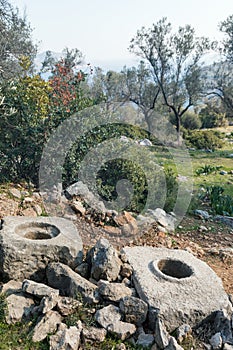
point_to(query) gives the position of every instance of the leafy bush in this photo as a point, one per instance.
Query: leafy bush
(220, 203)
(204, 139)
(207, 169)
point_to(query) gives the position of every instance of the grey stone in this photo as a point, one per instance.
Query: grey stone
(108, 315)
(94, 334)
(203, 214)
(46, 324)
(114, 291)
(173, 345)
(145, 142)
(70, 283)
(223, 172)
(145, 340)
(105, 262)
(134, 309)
(216, 341)
(78, 208)
(181, 287)
(83, 270)
(11, 287)
(162, 218)
(226, 220)
(161, 335)
(48, 302)
(15, 192)
(227, 347)
(38, 289)
(19, 307)
(28, 244)
(121, 329)
(66, 338)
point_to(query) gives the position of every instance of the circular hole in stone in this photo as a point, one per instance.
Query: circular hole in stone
(37, 230)
(175, 268)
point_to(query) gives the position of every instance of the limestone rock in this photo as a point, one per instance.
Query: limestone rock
(216, 341)
(227, 347)
(11, 287)
(46, 324)
(126, 270)
(94, 334)
(78, 208)
(66, 338)
(83, 269)
(121, 329)
(29, 244)
(145, 340)
(69, 283)
(134, 309)
(114, 291)
(195, 288)
(15, 193)
(105, 262)
(38, 289)
(162, 218)
(48, 302)
(108, 315)
(182, 332)
(162, 337)
(19, 307)
(173, 345)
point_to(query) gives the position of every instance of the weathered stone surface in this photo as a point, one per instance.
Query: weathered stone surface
(48, 303)
(83, 269)
(94, 334)
(15, 192)
(67, 305)
(145, 340)
(161, 335)
(121, 329)
(173, 345)
(126, 270)
(134, 309)
(46, 324)
(105, 262)
(193, 290)
(124, 218)
(114, 291)
(28, 244)
(11, 287)
(78, 207)
(227, 220)
(38, 289)
(216, 341)
(70, 283)
(227, 347)
(66, 338)
(18, 306)
(108, 315)
(162, 218)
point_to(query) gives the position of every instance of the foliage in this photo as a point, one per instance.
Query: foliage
(15, 40)
(212, 118)
(204, 139)
(175, 62)
(220, 203)
(207, 169)
(190, 121)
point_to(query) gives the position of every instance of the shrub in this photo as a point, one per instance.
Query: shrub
(204, 139)
(220, 203)
(207, 169)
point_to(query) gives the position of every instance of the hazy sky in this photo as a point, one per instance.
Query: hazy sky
(102, 29)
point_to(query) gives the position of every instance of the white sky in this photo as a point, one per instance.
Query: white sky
(102, 29)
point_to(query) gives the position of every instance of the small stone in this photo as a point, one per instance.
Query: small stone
(28, 200)
(121, 329)
(38, 289)
(121, 346)
(134, 309)
(78, 208)
(114, 291)
(18, 307)
(161, 335)
(46, 324)
(29, 212)
(145, 340)
(66, 338)
(203, 228)
(15, 193)
(126, 270)
(108, 315)
(173, 345)
(94, 334)
(38, 209)
(216, 341)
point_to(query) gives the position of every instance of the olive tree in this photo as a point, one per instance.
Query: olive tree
(175, 59)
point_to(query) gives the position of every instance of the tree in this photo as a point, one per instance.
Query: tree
(226, 27)
(140, 89)
(175, 62)
(15, 40)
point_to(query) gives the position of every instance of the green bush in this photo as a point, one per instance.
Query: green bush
(204, 139)
(207, 169)
(221, 204)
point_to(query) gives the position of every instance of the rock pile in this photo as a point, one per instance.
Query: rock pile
(101, 298)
